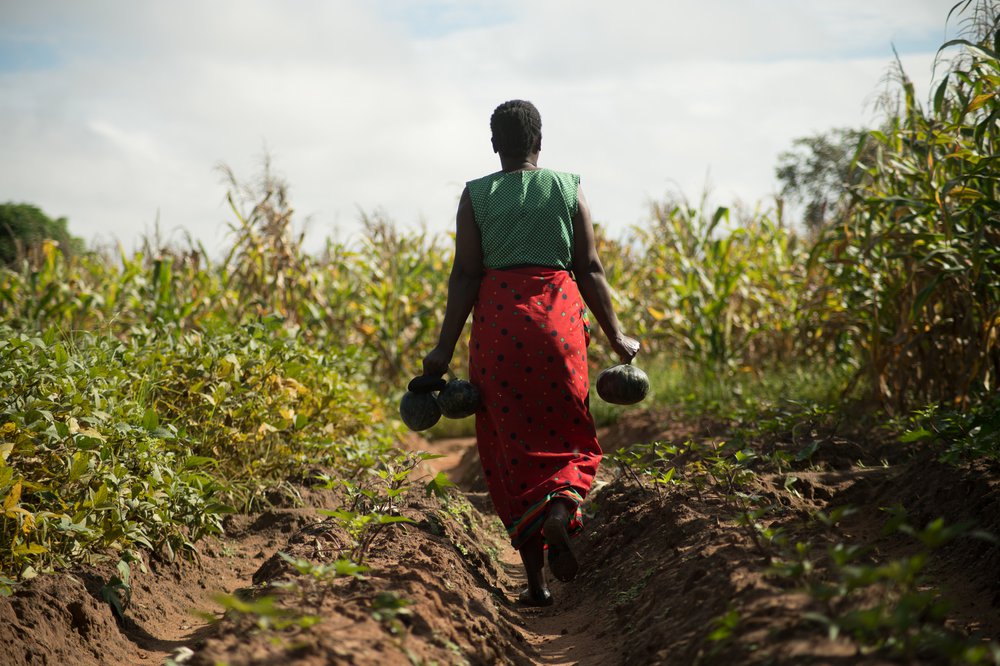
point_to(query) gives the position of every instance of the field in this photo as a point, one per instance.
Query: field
(201, 460)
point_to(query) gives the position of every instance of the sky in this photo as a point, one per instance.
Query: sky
(117, 114)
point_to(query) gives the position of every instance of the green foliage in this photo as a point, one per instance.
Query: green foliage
(724, 626)
(719, 296)
(24, 228)
(883, 605)
(398, 295)
(916, 258)
(324, 573)
(391, 610)
(90, 292)
(819, 170)
(265, 270)
(964, 435)
(379, 295)
(118, 590)
(654, 460)
(265, 613)
(373, 495)
(144, 431)
(82, 466)
(439, 486)
(725, 468)
(314, 578)
(690, 464)
(256, 400)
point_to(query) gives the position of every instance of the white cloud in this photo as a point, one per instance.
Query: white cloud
(385, 105)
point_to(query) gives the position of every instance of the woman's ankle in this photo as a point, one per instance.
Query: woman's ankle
(536, 581)
(561, 509)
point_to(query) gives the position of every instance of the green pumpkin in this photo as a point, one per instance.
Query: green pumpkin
(622, 385)
(419, 411)
(458, 399)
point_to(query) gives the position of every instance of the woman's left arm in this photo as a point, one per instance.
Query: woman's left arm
(463, 287)
(593, 284)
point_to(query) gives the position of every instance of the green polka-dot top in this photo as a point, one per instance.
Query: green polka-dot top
(525, 218)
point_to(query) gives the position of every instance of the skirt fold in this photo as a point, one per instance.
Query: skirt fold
(534, 431)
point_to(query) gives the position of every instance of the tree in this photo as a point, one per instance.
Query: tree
(24, 227)
(819, 170)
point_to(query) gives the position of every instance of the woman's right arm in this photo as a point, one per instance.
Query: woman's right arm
(463, 287)
(593, 284)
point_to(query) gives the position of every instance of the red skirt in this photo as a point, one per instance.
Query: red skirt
(534, 431)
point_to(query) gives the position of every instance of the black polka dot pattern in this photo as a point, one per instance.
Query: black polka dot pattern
(534, 430)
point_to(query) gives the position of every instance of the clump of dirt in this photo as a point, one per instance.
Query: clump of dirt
(655, 568)
(689, 582)
(54, 619)
(967, 568)
(639, 426)
(440, 566)
(674, 575)
(61, 618)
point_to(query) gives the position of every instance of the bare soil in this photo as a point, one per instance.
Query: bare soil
(661, 571)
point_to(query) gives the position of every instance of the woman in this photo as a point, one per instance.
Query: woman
(520, 232)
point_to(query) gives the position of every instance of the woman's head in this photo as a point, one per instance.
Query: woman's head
(517, 129)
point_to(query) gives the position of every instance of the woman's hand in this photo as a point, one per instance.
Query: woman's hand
(625, 347)
(436, 362)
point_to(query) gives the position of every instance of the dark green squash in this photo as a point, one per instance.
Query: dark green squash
(622, 385)
(419, 411)
(458, 399)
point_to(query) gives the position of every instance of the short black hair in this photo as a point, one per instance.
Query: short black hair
(517, 128)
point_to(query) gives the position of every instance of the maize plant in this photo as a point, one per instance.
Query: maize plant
(720, 295)
(917, 257)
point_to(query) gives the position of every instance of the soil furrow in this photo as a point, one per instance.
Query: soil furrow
(667, 577)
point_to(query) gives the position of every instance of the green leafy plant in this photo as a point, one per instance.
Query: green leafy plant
(724, 626)
(970, 434)
(372, 500)
(916, 258)
(315, 577)
(118, 590)
(265, 613)
(392, 611)
(439, 485)
(882, 605)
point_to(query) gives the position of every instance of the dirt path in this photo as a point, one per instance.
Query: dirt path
(580, 628)
(663, 571)
(558, 635)
(669, 576)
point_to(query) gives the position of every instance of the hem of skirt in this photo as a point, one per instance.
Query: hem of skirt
(531, 520)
